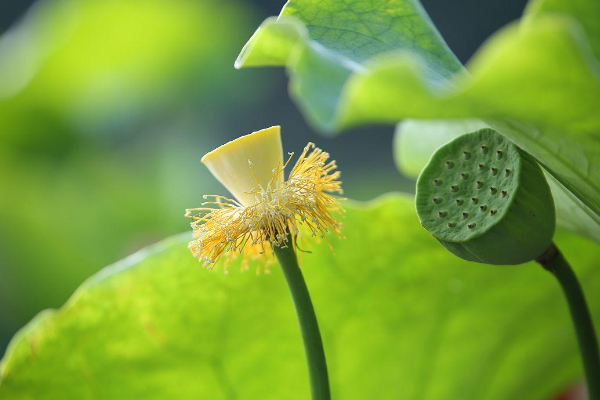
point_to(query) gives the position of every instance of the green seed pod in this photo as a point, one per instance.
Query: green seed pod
(486, 200)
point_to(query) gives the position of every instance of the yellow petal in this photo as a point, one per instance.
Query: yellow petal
(229, 163)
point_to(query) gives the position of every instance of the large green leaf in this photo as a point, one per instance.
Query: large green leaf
(584, 11)
(401, 317)
(538, 83)
(384, 61)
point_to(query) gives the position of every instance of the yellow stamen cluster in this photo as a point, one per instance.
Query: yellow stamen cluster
(278, 211)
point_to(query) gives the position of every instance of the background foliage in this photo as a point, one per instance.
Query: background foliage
(107, 108)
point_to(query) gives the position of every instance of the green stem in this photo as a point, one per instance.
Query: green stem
(313, 346)
(554, 262)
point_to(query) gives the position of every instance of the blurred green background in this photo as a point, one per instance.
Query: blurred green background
(106, 107)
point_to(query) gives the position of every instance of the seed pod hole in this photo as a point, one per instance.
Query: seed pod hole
(506, 172)
(451, 224)
(442, 214)
(493, 212)
(499, 155)
(484, 149)
(493, 190)
(504, 193)
(471, 226)
(479, 184)
(437, 200)
(449, 164)
(481, 166)
(474, 200)
(494, 171)
(466, 155)
(437, 182)
(459, 202)
(483, 208)
(464, 175)
(465, 215)
(454, 188)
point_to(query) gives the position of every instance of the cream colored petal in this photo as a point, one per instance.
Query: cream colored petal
(229, 163)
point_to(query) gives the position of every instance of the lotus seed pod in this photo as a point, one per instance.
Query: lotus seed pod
(493, 204)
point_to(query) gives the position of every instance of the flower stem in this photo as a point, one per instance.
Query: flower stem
(313, 345)
(553, 261)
